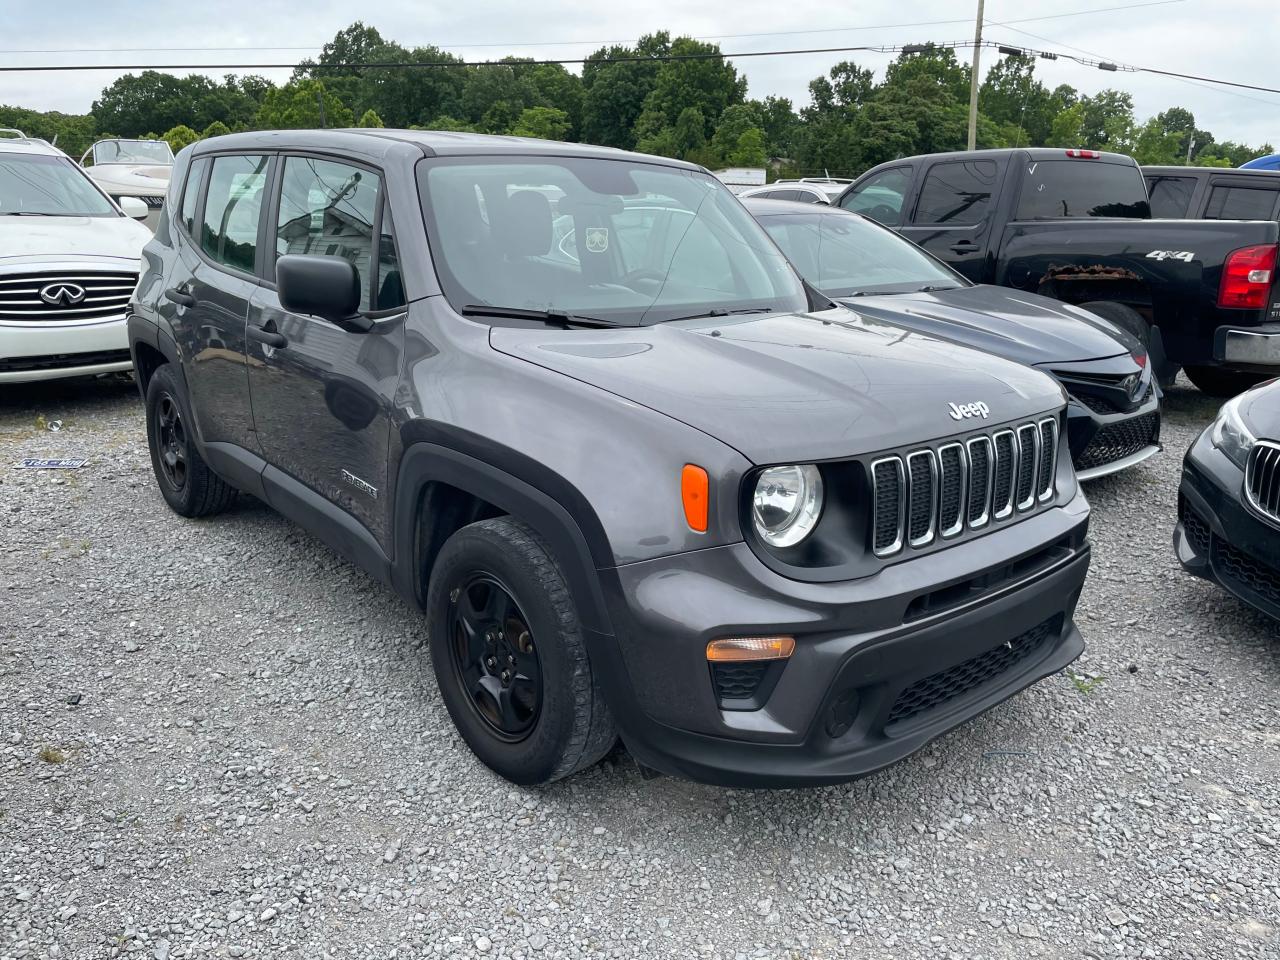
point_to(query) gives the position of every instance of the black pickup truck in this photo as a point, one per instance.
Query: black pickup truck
(1076, 225)
(1213, 193)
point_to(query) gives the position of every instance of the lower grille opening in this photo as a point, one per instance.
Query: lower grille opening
(745, 686)
(62, 361)
(941, 688)
(1116, 441)
(1246, 571)
(938, 601)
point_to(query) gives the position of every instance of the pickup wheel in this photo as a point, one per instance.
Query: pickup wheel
(509, 656)
(187, 484)
(1130, 320)
(1220, 382)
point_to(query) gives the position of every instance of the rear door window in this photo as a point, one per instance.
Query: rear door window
(1240, 203)
(956, 193)
(880, 197)
(233, 210)
(1073, 188)
(1170, 196)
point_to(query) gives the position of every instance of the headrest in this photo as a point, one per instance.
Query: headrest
(524, 227)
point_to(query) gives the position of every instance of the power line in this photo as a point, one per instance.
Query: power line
(574, 43)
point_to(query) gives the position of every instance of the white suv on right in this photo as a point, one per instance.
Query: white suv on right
(69, 261)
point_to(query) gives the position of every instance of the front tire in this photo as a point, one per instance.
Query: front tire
(509, 656)
(1220, 382)
(187, 484)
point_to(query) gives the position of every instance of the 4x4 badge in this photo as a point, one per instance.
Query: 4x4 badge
(352, 480)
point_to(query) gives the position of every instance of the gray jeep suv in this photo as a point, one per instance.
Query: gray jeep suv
(640, 479)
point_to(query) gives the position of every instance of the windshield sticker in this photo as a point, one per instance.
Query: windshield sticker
(597, 239)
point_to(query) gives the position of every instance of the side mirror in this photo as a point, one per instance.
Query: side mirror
(134, 208)
(325, 287)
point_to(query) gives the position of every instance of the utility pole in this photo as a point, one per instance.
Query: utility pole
(973, 81)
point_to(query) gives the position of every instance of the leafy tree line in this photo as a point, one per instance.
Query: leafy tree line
(630, 97)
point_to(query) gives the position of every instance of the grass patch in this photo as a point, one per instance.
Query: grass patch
(52, 754)
(1085, 685)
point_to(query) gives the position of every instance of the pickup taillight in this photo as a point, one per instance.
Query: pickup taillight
(1246, 277)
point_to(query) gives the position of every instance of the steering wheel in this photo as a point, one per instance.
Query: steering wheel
(642, 274)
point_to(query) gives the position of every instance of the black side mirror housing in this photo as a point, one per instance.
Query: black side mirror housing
(325, 287)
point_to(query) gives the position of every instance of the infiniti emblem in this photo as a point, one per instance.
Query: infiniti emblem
(62, 294)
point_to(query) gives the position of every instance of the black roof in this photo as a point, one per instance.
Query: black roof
(1207, 172)
(429, 143)
(1031, 153)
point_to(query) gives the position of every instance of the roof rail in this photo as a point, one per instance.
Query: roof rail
(13, 133)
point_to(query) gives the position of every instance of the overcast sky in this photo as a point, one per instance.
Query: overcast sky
(1226, 39)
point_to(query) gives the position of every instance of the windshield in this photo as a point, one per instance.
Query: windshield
(843, 255)
(1069, 188)
(34, 184)
(132, 151)
(625, 242)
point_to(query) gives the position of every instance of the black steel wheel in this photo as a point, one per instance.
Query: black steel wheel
(185, 480)
(495, 657)
(509, 654)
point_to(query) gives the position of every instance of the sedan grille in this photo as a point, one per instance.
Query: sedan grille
(59, 295)
(1121, 439)
(1262, 479)
(931, 493)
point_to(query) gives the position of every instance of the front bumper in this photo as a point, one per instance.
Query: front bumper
(1105, 439)
(30, 352)
(882, 665)
(1218, 537)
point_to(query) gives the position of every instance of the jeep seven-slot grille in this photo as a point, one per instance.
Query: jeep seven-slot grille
(64, 295)
(1262, 478)
(937, 491)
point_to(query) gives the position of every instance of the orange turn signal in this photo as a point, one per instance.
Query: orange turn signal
(738, 649)
(695, 492)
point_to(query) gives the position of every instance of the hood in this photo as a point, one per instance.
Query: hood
(790, 388)
(131, 180)
(1260, 409)
(1018, 326)
(23, 238)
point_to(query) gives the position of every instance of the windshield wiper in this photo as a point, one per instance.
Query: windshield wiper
(717, 312)
(936, 288)
(520, 313)
(30, 213)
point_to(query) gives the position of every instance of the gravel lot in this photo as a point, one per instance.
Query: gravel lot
(217, 739)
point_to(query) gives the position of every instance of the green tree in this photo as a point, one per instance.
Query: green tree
(749, 151)
(1154, 144)
(180, 136)
(1011, 96)
(545, 123)
(447, 124)
(1106, 122)
(614, 93)
(780, 126)
(215, 129)
(369, 119)
(1067, 129)
(303, 104)
(705, 85)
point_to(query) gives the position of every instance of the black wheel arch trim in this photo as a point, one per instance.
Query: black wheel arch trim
(425, 462)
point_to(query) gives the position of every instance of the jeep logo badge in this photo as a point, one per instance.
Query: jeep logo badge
(965, 411)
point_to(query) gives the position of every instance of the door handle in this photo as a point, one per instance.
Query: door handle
(180, 297)
(964, 246)
(269, 337)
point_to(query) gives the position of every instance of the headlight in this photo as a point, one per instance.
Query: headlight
(787, 503)
(1231, 435)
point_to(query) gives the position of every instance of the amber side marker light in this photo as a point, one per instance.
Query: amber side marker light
(696, 495)
(739, 649)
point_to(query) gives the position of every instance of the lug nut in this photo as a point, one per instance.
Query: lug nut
(506, 677)
(490, 661)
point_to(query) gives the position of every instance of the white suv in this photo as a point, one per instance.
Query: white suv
(69, 261)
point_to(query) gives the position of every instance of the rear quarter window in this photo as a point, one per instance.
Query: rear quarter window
(1073, 188)
(1241, 203)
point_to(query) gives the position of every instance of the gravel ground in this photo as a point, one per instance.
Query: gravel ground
(219, 740)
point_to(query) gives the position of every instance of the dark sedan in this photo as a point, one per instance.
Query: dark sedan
(1114, 413)
(1229, 502)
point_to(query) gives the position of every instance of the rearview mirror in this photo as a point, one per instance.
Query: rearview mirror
(134, 208)
(325, 287)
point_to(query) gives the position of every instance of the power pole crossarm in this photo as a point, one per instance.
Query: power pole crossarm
(973, 81)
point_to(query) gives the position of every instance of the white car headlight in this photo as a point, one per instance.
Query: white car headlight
(1231, 434)
(787, 503)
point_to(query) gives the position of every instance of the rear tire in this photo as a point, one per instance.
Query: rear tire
(509, 656)
(1131, 321)
(1220, 382)
(187, 484)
